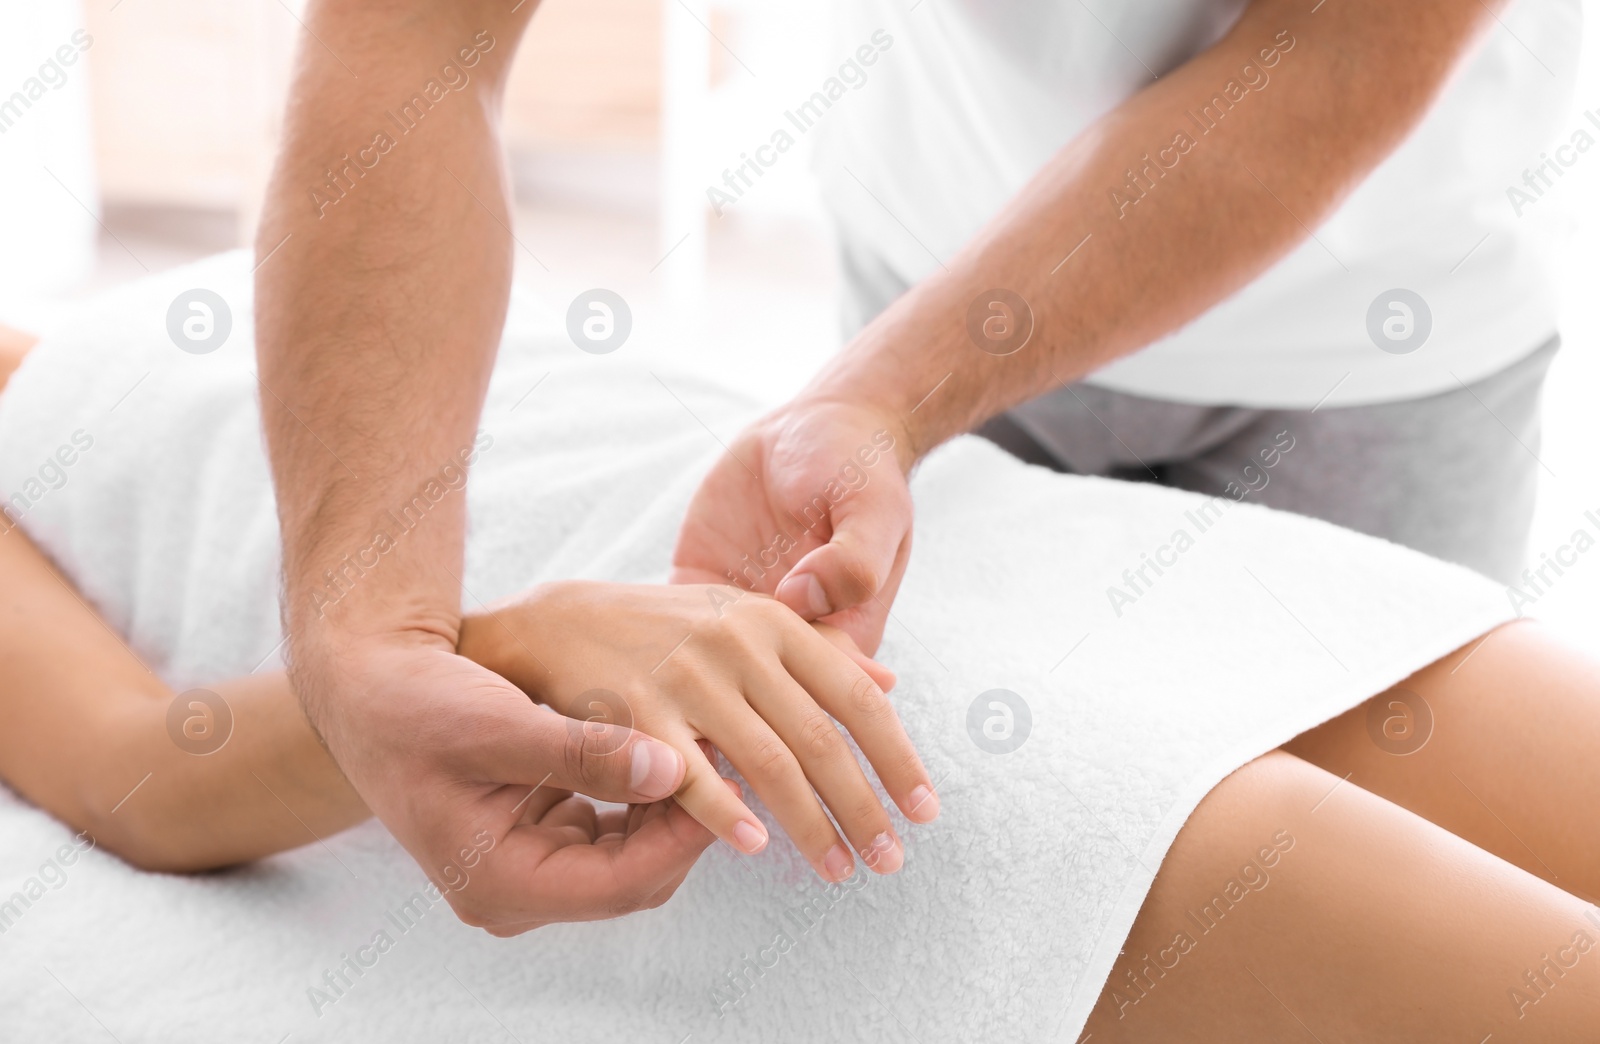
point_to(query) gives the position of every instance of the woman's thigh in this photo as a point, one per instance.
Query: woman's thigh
(1496, 743)
(1296, 906)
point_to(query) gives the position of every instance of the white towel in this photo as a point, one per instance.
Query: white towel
(1011, 909)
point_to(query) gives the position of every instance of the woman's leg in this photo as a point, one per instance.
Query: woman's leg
(1294, 906)
(1496, 743)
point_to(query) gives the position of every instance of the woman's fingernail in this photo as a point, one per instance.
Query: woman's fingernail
(654, 771)
(838, 863)
(924, 804)
(885, 855)
(749, 837)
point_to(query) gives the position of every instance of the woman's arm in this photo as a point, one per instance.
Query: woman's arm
(85, 735)
(211, 777)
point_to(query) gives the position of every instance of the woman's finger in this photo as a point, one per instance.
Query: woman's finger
(860, 705)
(770, 767)
(844, 643)
(831, 767)
(706, 797)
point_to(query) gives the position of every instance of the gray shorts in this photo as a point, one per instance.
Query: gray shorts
(1454, 475)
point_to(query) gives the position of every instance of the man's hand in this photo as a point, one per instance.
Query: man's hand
(476, 781)
(810, 504)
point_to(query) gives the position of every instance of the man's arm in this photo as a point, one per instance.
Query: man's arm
(383, 276)
(379, 316)
(1222, 211)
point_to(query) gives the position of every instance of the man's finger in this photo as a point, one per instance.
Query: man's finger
(537, 877)
(865, 623)
(856, 563)
(534, 745)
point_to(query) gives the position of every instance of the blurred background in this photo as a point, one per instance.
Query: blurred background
(152, 146)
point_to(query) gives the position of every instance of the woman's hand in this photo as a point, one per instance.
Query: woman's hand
(694, 662)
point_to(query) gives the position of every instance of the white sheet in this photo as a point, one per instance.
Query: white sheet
(1011, 909)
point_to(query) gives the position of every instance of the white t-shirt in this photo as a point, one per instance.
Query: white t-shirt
(964, 100)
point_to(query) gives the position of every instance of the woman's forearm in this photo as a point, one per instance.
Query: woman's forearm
(268, 786)
(167, 780)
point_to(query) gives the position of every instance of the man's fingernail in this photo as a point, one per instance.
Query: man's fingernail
(805, 588)
(838, 863)
(924, 804)
(749, 837)
(655, 770)
(816, 597)
(808, 589)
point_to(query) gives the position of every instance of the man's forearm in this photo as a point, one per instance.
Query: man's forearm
(384, 270)
(1213, 210)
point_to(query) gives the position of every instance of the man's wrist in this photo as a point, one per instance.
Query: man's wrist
(334, 631)
(910, 366)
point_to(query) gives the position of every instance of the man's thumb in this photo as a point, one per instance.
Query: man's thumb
(600, 760)
(849, 569)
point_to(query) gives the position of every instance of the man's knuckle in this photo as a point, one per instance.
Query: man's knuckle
(586, 758)
(860, 577)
